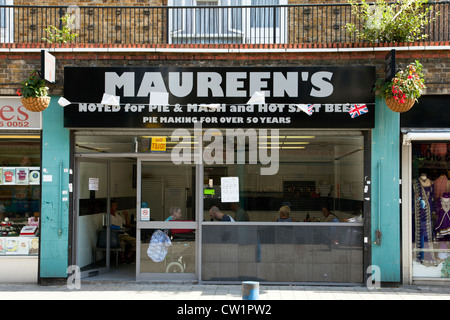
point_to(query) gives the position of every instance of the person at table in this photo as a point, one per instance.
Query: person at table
(218, 215)
(284, 215)
(239, 213)
(121, 221)
(329, 216)
(175, 214)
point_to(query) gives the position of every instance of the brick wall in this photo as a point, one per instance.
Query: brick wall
(117, 25)
(15, 64)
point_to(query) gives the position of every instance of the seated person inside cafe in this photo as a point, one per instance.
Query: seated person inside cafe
(217, 215)
(239, 213)
(175, 214)
(121, 220)
(329, 216)
(284, 215)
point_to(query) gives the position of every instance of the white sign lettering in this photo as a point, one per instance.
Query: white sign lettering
(217, 85)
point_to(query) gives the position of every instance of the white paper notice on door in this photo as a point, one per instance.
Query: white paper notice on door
(93, 184)
(229, 188)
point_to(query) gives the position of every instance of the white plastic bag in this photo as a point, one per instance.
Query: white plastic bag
(159, 244)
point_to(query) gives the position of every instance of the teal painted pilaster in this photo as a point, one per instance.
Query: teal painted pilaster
(386, 192)
(55, 181)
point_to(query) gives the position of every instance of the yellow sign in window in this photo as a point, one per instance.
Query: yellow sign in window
(158, 144)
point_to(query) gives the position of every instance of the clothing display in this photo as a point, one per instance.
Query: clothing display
(430, 216)
(423, 209)
(439, 149)
(442, 228)
(440, 185)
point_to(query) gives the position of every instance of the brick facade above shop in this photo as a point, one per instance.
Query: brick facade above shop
(18, 60)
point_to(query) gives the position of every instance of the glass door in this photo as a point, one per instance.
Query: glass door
(166, 221)
(93, 233)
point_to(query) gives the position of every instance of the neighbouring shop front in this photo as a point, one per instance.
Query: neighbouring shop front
(20, 191)
(425, 173)
(184, 150)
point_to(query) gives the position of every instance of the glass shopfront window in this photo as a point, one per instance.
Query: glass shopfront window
(307, 173)
(19, 194)
(293, 199)
(303, 222)
(430, 209)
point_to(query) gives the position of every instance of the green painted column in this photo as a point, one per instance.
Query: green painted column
(386, 192)
(55, 195)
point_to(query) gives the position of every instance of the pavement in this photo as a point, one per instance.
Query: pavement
(106, 290)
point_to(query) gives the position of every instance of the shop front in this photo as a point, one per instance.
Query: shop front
(213, 187)
(20, 191)
(425, 172)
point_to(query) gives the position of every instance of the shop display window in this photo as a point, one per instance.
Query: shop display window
(313, 170)
(306, 172)
(19, 194)
(431, 209)
(303, 222)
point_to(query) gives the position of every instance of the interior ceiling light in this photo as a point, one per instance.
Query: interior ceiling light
(300, 137)
(296, 142)
(181, 142)
(272, 137)
(19, 137)
(264, 143)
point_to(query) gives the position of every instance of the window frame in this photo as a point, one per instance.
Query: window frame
(231, 26)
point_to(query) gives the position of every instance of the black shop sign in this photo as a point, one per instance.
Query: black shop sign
(218, 97)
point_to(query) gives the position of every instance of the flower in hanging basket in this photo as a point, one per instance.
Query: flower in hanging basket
(404, 89)
(33, 86)
(34, 93)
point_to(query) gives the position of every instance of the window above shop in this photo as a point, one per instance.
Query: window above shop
(218, 22)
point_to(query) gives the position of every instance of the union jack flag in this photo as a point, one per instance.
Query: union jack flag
(358, 109)
(306, 108)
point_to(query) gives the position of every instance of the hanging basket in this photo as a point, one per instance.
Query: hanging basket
(36, 104)
(396, 106)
